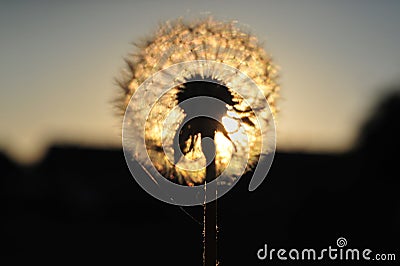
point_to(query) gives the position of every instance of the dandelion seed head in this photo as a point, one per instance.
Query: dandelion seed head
(201, 40)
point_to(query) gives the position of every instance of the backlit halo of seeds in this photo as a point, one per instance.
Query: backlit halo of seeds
(211, 49)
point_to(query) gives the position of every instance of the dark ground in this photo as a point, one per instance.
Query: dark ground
(82, 205)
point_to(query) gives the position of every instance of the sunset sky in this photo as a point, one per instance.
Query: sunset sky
(58, 61)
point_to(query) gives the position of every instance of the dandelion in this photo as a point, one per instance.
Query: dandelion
(239, 132)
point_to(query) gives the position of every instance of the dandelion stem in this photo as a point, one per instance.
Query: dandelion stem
(210, 219)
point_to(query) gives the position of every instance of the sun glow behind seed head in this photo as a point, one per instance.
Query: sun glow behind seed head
(177, 42)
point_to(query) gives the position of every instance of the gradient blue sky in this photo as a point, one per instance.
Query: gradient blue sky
(58, 60)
